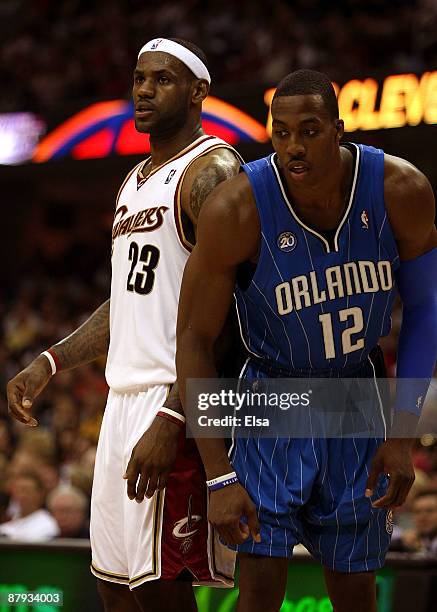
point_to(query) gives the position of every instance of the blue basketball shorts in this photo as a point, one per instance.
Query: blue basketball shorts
(311, 491)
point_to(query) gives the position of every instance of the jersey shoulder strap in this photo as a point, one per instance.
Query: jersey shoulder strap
(211, 145)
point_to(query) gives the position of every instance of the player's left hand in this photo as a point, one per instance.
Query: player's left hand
(393, 457)
(152, 459)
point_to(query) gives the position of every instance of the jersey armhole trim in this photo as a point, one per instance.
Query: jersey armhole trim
(263, 245)
(129, 174)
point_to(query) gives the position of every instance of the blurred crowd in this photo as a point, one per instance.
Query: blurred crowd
(53, 51)
(46, 472)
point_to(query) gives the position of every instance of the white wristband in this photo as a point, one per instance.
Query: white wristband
(173, 413)
(219, 479)
(51, 361)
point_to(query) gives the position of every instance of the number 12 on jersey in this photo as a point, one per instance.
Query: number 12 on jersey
(142, 280)
(348, 346)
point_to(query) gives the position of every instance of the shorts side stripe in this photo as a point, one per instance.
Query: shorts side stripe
(109, 575)
(157, 522)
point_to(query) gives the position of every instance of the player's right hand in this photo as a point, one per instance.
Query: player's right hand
(226, 508)
(25, 387)
(152, 459)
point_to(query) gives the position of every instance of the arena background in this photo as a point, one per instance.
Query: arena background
(66, 142)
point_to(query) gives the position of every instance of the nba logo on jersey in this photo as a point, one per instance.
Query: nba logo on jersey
(169, 177)
(287, 241)
(364, 220)
(156, 44)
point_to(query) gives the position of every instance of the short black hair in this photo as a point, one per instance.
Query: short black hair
(193, 48)
(309, 82)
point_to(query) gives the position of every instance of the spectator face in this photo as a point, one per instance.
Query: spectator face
(27, 494)
(67, 440)
(425, 515)
(49, 475)
(68, 513)
(26, 462)
(88, 458)
(65, 414)
(21, 462)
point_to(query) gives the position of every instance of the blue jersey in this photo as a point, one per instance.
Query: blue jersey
(312, 304)
(317, 307)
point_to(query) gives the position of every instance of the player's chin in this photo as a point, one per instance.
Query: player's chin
(144, 126)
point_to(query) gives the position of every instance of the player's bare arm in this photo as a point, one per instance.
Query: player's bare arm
(411, 210)
(410, 206)
(150, 464)
(203, 177)
(85, 344)
(228, 234)
(88, 342)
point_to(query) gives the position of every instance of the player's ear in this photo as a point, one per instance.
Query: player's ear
(339, 129)
(200, 91)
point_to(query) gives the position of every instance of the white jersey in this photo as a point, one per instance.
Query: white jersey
(149, 253)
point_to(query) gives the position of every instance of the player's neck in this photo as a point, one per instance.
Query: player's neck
(165, 146)
(327, 197)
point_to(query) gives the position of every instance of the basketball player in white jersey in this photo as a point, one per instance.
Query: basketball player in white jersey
(150, 545)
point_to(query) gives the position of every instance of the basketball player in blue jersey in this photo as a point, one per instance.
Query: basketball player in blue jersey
(311, 239)
(150, 537)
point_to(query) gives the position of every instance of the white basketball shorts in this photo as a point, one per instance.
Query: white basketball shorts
(133, 543)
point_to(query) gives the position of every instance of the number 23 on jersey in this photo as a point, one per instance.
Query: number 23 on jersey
(141, 277)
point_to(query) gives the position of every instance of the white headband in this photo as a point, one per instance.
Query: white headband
(183, 54)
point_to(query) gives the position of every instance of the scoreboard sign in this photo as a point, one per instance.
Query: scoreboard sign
(398, 101)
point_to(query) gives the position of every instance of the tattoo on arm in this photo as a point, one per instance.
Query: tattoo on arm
(207, 180)
(89, 341)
